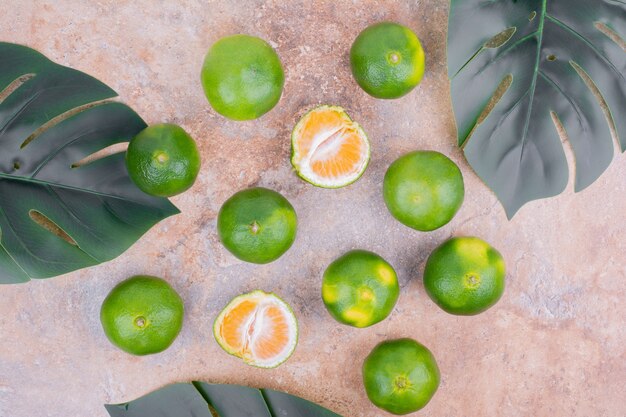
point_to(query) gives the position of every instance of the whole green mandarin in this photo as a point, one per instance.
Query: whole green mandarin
(163, 160)
(400, 376)
(387, 60)
(360, 288)
(465, 276)
(257, 225)
(423, 190)
(242, 77)
(142, 315)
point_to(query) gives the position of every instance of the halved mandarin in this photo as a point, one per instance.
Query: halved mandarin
(259, 328)
(328, 149)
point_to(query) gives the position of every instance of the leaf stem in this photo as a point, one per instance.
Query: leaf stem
(533, 85)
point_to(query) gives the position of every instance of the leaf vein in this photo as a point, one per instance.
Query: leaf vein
(74, 215)
(573, 32)
(11, 256)
(505, 51)
(20, 111)
(108, 208)
(533, 86)
(69, 187)
(555, 85)
(23, 245)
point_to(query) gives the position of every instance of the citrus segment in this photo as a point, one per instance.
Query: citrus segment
(235, 324)
(259, 328)
(328, 148)
(270, 341)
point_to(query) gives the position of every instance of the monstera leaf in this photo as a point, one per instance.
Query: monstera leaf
(519, 69)
(58, 212)
(200, 399)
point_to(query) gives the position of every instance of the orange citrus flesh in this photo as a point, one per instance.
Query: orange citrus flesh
(328, 148)
(271, 343)
(259, 328)
(234, 326)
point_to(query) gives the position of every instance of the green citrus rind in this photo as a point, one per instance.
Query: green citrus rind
(149, 299)
(295, 153)
(400, 376)
(242, 77)
(423, 190)
(360, 289)
(465, 276)
(257, 225)
(163, 160)
(387, 60)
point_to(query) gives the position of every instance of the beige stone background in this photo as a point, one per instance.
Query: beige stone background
(553, 346)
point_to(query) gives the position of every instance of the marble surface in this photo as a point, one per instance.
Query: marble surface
(553, 346)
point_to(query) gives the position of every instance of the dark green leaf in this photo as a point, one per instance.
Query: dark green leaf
(182, 400)
(177, 400)
(234, 400)
(56, 217)
(540, 52)
(283, 404)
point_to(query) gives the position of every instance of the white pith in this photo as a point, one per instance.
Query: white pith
(255, 325)
(321, 144)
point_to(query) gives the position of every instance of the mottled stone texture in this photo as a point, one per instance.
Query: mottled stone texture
(553, 346)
